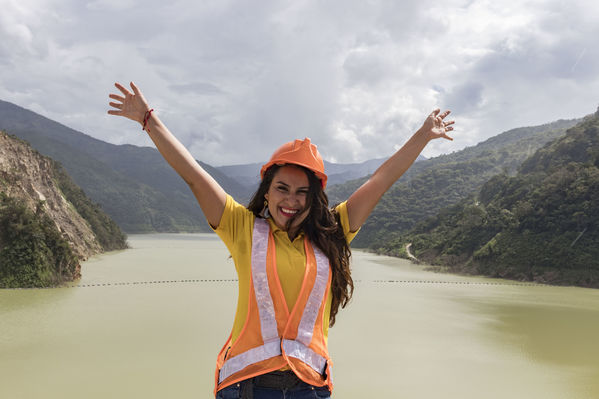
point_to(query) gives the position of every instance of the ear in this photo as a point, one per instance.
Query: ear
(266, 196)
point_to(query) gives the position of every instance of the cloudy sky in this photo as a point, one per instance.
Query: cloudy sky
(235, 79)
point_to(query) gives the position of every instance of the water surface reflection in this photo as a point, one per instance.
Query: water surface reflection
(422, 335)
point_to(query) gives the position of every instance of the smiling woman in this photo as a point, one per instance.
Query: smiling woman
(291, 252)
(286, 198)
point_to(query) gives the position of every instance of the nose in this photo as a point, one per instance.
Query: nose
(293, 198)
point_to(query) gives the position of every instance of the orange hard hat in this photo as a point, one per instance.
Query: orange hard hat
(298, 152)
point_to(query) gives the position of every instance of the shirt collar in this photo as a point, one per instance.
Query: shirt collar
(276, 230)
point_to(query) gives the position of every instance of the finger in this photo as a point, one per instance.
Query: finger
(447, 137)
(448, 128)
(116, 105)
(135, 89)
(116, 97)
(435, 112)
(444, 114)
(115, 112)
(449, 123)
(123, 89)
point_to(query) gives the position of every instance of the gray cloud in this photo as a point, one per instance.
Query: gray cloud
(235, 79)
(201, 88)
(466, 97)
(365, 67)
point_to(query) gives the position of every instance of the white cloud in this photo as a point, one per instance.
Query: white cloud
(235, 79)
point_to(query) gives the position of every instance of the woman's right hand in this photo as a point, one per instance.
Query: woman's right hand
(133, 105)
(210, 195)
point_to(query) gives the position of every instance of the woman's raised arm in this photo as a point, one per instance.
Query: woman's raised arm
(361, 203)
(208, 192)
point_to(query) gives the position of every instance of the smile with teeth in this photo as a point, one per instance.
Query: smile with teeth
(288, 211)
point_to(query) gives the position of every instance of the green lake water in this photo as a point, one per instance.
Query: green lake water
(149, 321)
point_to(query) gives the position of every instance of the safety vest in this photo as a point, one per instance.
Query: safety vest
(271, 337)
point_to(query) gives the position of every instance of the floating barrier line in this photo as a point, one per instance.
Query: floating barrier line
(519, 284)
(390, 281)
(149, 282)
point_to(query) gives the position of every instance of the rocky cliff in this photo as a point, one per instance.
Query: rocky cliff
(28, 176)
(47, 223)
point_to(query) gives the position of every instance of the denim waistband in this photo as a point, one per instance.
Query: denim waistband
(279, 380)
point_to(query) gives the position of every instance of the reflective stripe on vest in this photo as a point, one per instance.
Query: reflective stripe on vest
(298, 348)
(266, 309)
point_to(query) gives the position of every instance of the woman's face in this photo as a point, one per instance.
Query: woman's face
(287, 197)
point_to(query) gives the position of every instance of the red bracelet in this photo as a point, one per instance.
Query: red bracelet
(147, 118)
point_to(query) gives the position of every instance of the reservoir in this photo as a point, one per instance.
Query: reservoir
(149, 321)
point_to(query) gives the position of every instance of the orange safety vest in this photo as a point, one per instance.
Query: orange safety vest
(271, 337)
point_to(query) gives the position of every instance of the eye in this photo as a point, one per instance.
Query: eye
(282, 188)
(302, 192)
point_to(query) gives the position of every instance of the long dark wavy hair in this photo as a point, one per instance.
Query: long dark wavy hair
(323, 228)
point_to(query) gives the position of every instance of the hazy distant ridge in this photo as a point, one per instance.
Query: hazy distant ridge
(336, 173)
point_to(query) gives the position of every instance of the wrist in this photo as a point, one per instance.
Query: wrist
(146, 120)
(423, 134)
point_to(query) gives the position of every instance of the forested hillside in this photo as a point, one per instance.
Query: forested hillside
(47, 223)
(134, 185)
(539, 225)
(435, 183)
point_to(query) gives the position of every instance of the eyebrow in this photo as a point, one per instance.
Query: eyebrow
(287, 185)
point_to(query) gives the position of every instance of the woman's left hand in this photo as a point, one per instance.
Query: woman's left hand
(361, 203)
(435, 127)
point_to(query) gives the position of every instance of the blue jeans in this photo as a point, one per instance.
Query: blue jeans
(303, 392)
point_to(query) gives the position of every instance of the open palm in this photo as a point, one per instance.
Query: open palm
(435, 126)
(131, 105)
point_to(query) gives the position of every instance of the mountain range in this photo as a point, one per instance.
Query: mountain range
(435, 183)
(134, 185)
(541, 224)
(139, 190)
(336, 173)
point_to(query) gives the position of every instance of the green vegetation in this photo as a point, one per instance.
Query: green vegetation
(136, 206)
(433, 184)
(540, 225)
(107, 232)
(134, 185)
(33, 253)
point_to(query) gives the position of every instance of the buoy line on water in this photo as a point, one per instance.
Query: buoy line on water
(388, 281)
(519, 284)
(153, 282)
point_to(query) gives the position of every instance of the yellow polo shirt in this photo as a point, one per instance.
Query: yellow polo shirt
(235, 229)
